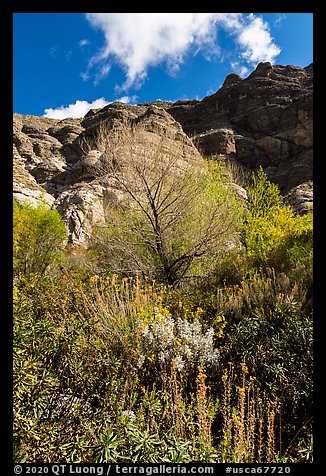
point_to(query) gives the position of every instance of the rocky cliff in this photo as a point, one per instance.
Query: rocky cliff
(61, 163)
(264, 119)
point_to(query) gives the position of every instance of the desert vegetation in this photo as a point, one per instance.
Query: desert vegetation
(182, 333)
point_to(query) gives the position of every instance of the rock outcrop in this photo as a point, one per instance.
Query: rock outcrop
(57, 162)
(264, 119)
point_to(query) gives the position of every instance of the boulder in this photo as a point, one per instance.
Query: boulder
(216, 141)
(81, 207)
(25, 187)
(301, 198)
(49, 169)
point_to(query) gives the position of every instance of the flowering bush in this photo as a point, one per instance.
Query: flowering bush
(166, 342)
(274, 236)
(39, 235)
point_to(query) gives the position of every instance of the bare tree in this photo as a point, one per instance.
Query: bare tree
(176, 214)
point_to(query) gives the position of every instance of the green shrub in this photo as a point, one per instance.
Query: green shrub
(174, 219)
(277, 344)
(273, 236)
(281, 241)
(38, 238)
(264, 197)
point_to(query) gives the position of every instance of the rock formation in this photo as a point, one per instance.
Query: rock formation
(264, 119)
(56, 162)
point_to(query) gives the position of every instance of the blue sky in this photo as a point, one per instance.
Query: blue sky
(66, 63)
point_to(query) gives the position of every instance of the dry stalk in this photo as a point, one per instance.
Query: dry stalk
(204, 411)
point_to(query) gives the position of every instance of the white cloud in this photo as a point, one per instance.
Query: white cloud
(279, 19)
(84, 42)
(84, 76)
(80, 108)
(239, 68)
(243, 71)
(138, 41)
(102, 73)
(256, 42)
(128, 99)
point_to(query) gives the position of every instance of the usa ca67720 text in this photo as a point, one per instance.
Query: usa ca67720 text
(259, 470)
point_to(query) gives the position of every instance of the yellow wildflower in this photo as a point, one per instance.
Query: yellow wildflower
(241, 391)
(244, 368)
(165, 311)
